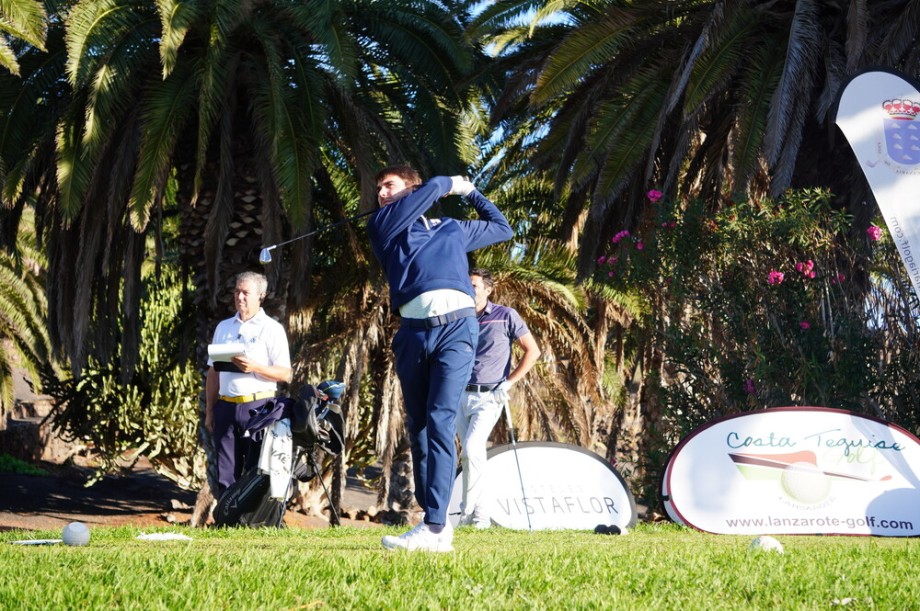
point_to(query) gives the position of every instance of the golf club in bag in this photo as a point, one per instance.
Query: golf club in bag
(287, 436)
(265, 255)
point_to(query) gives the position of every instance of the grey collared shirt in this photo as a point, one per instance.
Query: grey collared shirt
(499, 327)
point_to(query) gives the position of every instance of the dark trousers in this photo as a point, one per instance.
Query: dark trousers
(234, 452)
(434, 366)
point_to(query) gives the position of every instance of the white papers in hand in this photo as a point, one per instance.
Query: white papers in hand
(225, 352)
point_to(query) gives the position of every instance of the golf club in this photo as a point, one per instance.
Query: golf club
(507, 410)
(265, 255)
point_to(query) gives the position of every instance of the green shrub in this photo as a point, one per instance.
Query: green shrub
(769, 303)
(156, 412)
(11, 464)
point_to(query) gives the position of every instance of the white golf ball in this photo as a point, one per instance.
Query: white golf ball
(76, 533)
(768, 544)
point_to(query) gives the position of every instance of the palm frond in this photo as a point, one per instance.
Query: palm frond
(164, 113)
(582, 51)
(91, 24)
(177, 19)
(754, 88)
(788, 107)
(24, 19)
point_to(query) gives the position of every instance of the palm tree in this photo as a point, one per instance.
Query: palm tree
(711, 98)
(246, 113)
(246, 102)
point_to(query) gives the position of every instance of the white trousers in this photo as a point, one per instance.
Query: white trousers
(477, 415)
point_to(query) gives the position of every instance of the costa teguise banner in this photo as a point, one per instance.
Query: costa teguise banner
(878, 113)
(796, 470)
(564, 487)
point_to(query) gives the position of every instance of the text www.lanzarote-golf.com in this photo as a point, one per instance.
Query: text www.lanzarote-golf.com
(851, 523)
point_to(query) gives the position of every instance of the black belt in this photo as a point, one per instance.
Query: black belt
(437, 321)
(482, 387)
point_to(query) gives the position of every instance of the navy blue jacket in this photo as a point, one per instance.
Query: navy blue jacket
(417, 258)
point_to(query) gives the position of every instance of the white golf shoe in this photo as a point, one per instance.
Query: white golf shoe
(421, 539)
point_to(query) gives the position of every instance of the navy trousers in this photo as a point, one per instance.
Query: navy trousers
(233, 450)
(434, 367)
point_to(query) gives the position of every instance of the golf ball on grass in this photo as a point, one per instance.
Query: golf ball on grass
(75, 533)
(767, 544)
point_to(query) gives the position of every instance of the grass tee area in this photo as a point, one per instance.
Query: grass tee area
(654, 567)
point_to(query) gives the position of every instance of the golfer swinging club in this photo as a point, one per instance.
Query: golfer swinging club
(425, 264)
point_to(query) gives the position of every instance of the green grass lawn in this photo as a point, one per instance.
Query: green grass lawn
(654, 567)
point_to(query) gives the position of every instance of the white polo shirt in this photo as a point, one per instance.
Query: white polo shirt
(265, 343)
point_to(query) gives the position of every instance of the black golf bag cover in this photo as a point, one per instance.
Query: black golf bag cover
(316, 420)
(246, 503)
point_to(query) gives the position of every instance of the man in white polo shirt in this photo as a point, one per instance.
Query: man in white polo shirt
(233, 391)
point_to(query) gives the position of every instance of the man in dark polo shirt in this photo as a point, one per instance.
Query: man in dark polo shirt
(488, 390)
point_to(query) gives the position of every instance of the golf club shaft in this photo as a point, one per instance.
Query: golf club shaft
(507, 409)
(323, 228)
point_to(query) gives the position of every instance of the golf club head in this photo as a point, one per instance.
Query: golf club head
(265, 255)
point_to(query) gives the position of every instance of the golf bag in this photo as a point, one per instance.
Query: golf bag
(288, 435)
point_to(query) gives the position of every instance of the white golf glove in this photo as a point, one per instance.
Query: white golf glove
(502, 392)
(460, 185)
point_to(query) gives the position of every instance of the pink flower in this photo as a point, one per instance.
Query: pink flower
(841, 277)
(812, 274)
(875, 232)
(601, 260)
(749, 386)
(639, 245)
(805, 325)
(611, 273)
(654, 195)
(619, 236)
(775, 277)
(806, 268)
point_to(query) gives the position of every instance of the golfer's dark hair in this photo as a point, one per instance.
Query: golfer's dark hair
(407, 173)
(256, 278)
(485, 274)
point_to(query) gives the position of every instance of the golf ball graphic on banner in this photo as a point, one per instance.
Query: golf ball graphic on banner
(75, 533)
(805, 482)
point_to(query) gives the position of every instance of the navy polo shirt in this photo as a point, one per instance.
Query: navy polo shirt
(499, 327)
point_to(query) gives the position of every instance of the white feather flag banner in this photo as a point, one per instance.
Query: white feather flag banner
(879, 113)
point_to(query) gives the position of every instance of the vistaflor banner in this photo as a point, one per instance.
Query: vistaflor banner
(878, 113)
(796, 471)
(545, 485)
